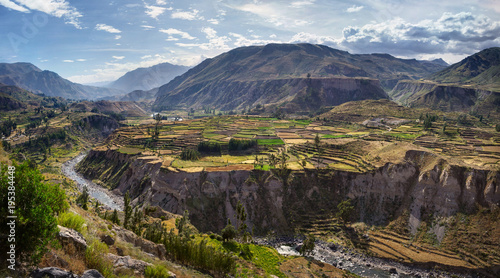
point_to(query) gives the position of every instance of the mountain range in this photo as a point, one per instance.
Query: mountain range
(280, 74)
(31, 78)
(148, 78)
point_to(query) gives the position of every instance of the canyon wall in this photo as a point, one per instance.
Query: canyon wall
(284, 200)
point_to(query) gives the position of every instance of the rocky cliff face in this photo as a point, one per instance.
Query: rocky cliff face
(441, 97)
(423, 186)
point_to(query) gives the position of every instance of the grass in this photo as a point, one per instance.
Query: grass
(270, 142)
(406, 136)
(127, 150)
(71, 221)
(332, 136)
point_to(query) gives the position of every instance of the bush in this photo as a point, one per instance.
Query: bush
(209, 147)
(229, 232)
(156, 271)
(190, 154)
(241, 145)
(83, 199)
(71, 221)
(36, 205)
(94, 258)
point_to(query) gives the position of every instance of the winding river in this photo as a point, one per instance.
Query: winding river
(103, 195)
(361, 265)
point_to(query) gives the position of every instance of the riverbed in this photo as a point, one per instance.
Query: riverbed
(103, 195)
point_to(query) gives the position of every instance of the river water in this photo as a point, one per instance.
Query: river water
(103, 195)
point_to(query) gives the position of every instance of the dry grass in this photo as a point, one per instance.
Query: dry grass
(304, 268)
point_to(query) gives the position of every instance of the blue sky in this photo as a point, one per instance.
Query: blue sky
(98, 40)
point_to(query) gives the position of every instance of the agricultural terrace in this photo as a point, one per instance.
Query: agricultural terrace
(299, 144)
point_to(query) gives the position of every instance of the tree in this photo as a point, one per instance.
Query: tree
(127, 210)
(35, 207)
(319, 148)
(182, 225)
(241, 217)
(308, 245)
(229, 232)
(345, 210)
(83, 199)
(497, 127)
(114, 217)
(137, 221)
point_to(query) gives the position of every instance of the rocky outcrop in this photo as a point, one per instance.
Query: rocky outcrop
(424, 185)
(54, 272)
(121, 263)
(70, 237)
(145, 245)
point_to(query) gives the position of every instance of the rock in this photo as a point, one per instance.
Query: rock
(107, 239)
(393, 270)
(119, 251)
(71, 237)
(92, 273)
(368, 265)
(147, 246)
(52, 272)
(121, 262)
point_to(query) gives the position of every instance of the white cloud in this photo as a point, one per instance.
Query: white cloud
(146, 57)
(155, 11)
(354, 9)
(118, 57)
(215, 42)
(107, 28)
(13, 6)
(461, 33)
(57, 8)
(117, 37)
(182, 34)
(147, 27)
(161, 2)
(241, 40)
(300, 4)
(273, 36)
(191, 15)
(81, 60)
(304, 37)
(68, 61)
(213, 21)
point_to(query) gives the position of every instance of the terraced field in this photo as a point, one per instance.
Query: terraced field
(296, 137)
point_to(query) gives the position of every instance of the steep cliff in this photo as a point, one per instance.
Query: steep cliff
(443, 97)
(424, 185)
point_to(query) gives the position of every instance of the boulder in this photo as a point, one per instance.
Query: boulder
(71, 237)
(126, 262)
(52, 272)
(107, 239)
(92, 273)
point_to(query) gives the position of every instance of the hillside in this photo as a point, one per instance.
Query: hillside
(247, 68)
(14, 98)
(482, 68)
(127, 109)
(48, 83)
(148, 78)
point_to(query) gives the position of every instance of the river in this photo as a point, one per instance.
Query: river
(103, 195)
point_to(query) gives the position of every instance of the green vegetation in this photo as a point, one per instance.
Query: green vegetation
(156, 271)
(189, 154)
(308, 245)
(36, 205)
(209, 147)
(240, 145)
(83, 199)
(71, 221)
(270, 142)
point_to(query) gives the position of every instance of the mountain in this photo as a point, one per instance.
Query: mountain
(247, 76)
(29, 77)
(471, 84)
(12, 98)
(481, 69)
(148, 78)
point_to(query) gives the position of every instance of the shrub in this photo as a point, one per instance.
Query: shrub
(83, 199)
(71, 220)
(209, 147)
(36, 205)
(241, 145)
(229, 232)
(94, 258)
(156, 271)
(190, 154)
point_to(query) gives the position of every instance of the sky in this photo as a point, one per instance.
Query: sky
(99, 40)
